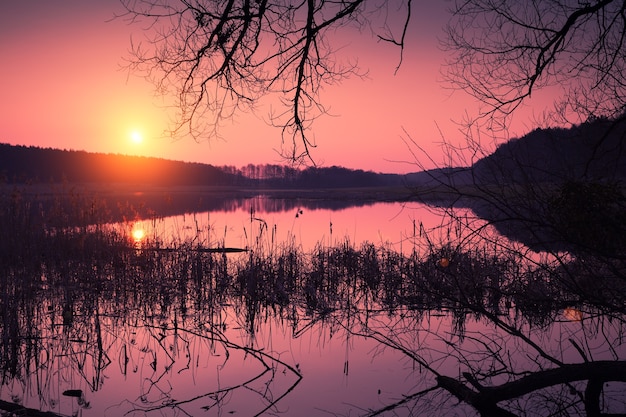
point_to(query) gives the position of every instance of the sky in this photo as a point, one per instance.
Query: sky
(64, 86)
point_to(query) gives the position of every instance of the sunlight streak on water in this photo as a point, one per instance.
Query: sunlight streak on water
(138, 234)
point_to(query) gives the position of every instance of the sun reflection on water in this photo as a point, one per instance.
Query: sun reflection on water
(138, 234)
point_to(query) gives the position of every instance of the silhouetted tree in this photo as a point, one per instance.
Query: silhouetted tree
(505, 50)
(559, 192)
(221, 57)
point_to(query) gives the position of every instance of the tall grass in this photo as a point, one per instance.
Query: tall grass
(72, 232)
(68, 245)
(66, 271)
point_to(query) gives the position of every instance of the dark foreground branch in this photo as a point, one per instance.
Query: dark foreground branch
(485, 400)
(19, 410)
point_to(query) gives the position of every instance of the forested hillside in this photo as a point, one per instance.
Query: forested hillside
(32, 164)
(21, 164)
(591, 151)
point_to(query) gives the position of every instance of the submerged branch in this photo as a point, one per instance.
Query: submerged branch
(19, 410)
(486, 398)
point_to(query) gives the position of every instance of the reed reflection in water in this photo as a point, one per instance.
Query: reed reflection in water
(106, 325)
(259, 221)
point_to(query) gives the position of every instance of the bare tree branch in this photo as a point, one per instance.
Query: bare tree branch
(222, 57)
(505, 50)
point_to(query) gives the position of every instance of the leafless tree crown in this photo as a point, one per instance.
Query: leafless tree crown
(504, 50)
(222, 56)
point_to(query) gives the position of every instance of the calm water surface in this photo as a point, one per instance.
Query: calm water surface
(150, 350)
(261, 220)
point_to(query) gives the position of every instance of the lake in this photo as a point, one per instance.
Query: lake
(267, 306)
(271, 222)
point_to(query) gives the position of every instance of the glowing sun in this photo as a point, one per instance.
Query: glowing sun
(136, 137)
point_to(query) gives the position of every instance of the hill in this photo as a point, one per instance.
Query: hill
(555, 189)
(21, 164)
(592, 151)
(33, 164)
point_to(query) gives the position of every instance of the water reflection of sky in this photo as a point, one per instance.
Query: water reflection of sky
(139, 341)
(172, 367)
(149, 369)
(392, 224)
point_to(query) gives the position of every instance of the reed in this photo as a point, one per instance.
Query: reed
(69, 244)
(84, 281)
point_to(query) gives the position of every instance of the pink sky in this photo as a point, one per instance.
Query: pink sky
(62, 87)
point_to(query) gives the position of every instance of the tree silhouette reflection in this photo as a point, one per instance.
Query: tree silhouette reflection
(478, 330)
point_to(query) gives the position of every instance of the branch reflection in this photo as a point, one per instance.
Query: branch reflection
(484, 330)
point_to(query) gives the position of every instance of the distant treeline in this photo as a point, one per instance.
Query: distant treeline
(28, 164)
(34, 164)
(594, 150)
